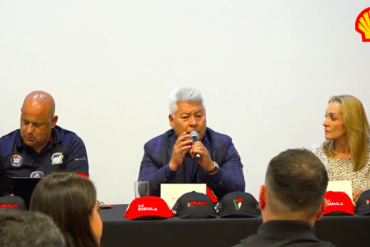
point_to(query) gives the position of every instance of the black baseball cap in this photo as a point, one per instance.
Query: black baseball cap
(194, 205)
(363, 204)
(12, 202)
(238, 205)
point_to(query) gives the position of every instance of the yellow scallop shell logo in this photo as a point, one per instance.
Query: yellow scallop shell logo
(362, 25)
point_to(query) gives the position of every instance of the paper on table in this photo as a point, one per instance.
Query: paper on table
(344, 186)
(171, 192)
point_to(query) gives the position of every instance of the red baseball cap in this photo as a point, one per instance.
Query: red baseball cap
(338, 203)
(148, 207)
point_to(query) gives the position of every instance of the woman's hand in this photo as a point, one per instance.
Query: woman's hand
(356, 194)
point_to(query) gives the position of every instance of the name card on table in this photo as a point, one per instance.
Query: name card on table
(344, 186)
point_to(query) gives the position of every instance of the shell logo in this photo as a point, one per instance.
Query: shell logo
(362, 25)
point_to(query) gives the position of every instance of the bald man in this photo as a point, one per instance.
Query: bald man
(40, 147)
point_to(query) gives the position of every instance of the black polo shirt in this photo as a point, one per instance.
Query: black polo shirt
(64, 152)
(279, 233)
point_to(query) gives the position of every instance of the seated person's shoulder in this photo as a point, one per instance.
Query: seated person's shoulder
(160, 140)
(9, 136)
(218, 138)
(316, 148)
(8, 140)
(65, 135)
(67, 139)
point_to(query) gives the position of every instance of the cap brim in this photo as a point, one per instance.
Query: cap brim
(363, 212)
(240, 215)
(133, 216)
(197, 216)
(149, 217)
(339, 213)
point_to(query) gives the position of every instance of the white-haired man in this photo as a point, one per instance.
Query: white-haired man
(170, 157)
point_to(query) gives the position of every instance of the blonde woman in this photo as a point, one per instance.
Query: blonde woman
(346, 151)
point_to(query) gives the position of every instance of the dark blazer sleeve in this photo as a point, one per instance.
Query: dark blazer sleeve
(2, 173)
(229, 177)
(155, 163)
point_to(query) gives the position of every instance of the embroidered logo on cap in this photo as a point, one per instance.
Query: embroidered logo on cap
(193, 204)
(56, 158)
(9, 206)
(330, 203)
(16, 160)
(143, 208)
(237, 203)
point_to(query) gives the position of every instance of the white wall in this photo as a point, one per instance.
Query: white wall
(266, 68)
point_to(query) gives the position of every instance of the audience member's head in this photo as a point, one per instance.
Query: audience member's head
(70, 200)
(295, 186)
(28, 229)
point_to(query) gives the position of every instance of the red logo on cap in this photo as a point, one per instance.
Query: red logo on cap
(334, 203)
(9, 206)
(198, 203)
(143, 208)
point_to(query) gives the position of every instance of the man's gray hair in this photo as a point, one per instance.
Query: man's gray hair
(185, 94)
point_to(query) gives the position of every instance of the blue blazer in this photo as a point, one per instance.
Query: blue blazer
(157, 155)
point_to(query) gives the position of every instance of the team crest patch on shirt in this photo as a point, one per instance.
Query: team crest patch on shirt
(37, 174)
(56, 158)
(16, 160)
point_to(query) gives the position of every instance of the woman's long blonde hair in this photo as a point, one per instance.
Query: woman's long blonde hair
(357, 128)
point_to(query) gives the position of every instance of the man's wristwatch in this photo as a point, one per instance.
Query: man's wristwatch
(214, 170)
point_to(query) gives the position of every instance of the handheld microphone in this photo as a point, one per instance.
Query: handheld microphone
(195, 137)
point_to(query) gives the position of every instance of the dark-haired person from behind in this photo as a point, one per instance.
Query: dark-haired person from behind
(291, 200)
(28, 229)
(71, 202)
